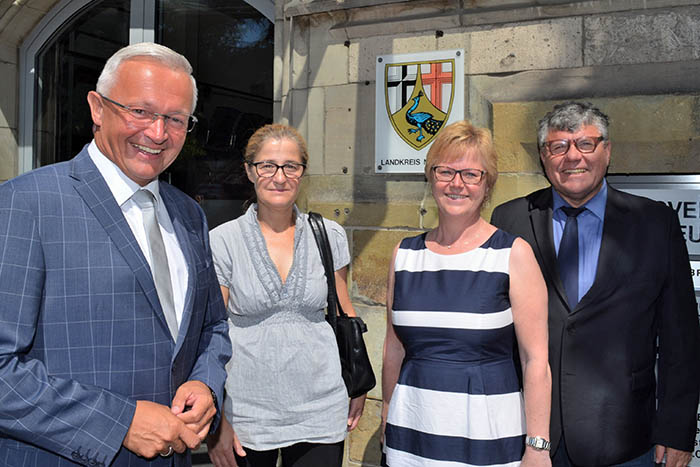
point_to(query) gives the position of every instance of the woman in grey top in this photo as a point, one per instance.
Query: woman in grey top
(284, 387)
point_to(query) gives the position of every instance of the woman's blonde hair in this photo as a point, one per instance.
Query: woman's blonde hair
(274, 131)
(469, 138)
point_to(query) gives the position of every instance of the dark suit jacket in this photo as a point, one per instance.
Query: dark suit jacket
(603, 352)
(83, 336)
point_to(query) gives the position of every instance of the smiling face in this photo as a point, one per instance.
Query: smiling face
(142, 153)
(455, 198)
(278, 191)
(577, 176)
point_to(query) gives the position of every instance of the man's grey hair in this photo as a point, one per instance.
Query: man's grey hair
(150, 50)
(571, 116)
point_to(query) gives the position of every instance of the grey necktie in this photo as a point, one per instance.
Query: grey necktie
(159, 259)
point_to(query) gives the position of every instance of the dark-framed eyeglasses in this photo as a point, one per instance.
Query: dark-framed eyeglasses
(443, 173)
(585, 144)
(179, 122)
(266, 169)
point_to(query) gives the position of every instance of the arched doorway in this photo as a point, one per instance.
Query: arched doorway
(230, 44)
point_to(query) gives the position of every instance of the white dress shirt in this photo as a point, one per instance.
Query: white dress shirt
(123, 188)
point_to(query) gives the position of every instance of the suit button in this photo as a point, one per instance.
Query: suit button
(75, 455)
(571, 329)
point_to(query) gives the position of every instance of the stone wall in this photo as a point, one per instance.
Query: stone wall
(637, 60)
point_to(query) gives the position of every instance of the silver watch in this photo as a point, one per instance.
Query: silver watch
(538, 443)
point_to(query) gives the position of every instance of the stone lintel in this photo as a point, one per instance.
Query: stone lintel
(599, 81)
(310, 7)
(521, 10)
(642, 37)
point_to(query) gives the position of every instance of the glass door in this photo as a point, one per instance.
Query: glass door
(230, 45)
(67, 67)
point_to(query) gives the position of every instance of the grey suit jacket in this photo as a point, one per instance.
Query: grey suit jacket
(82, 333)
(603, 352)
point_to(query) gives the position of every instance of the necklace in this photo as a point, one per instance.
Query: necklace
(464, 243)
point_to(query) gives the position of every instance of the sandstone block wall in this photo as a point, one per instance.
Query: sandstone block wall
(637, 60)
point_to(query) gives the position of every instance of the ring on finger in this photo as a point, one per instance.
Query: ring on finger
(170, 451)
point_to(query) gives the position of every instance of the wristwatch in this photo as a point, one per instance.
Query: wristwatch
(538, 443)
(213, 396)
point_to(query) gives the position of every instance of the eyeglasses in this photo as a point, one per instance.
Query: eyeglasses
(291, 170)
(179, 122)
(585, 144)
(447, 174)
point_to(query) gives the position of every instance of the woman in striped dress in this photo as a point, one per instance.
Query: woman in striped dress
(460, 299)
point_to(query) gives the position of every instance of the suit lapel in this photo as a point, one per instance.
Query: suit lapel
(183, 234)
(541, 220)
(94, 191)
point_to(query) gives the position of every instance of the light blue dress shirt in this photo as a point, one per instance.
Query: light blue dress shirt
(590, 233)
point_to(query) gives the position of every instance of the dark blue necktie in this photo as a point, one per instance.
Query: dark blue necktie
(568, 255)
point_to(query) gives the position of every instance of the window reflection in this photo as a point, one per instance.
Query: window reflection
(230, 45)
(67, 67)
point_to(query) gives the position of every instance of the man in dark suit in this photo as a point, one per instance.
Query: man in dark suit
(620, 292)
(114, 339)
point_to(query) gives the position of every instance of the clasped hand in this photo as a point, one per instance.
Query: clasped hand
(155, 427)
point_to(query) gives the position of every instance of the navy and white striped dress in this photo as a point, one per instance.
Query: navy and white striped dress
(458, 400)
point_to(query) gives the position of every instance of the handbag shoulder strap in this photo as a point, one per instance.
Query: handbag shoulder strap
(321, 237)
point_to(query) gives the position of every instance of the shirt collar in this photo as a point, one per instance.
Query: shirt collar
(121, 186)
(596, 204)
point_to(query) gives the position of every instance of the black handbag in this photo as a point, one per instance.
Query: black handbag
(354, 361)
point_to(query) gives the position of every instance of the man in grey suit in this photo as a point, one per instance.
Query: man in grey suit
(114, 339)
(620, 296)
